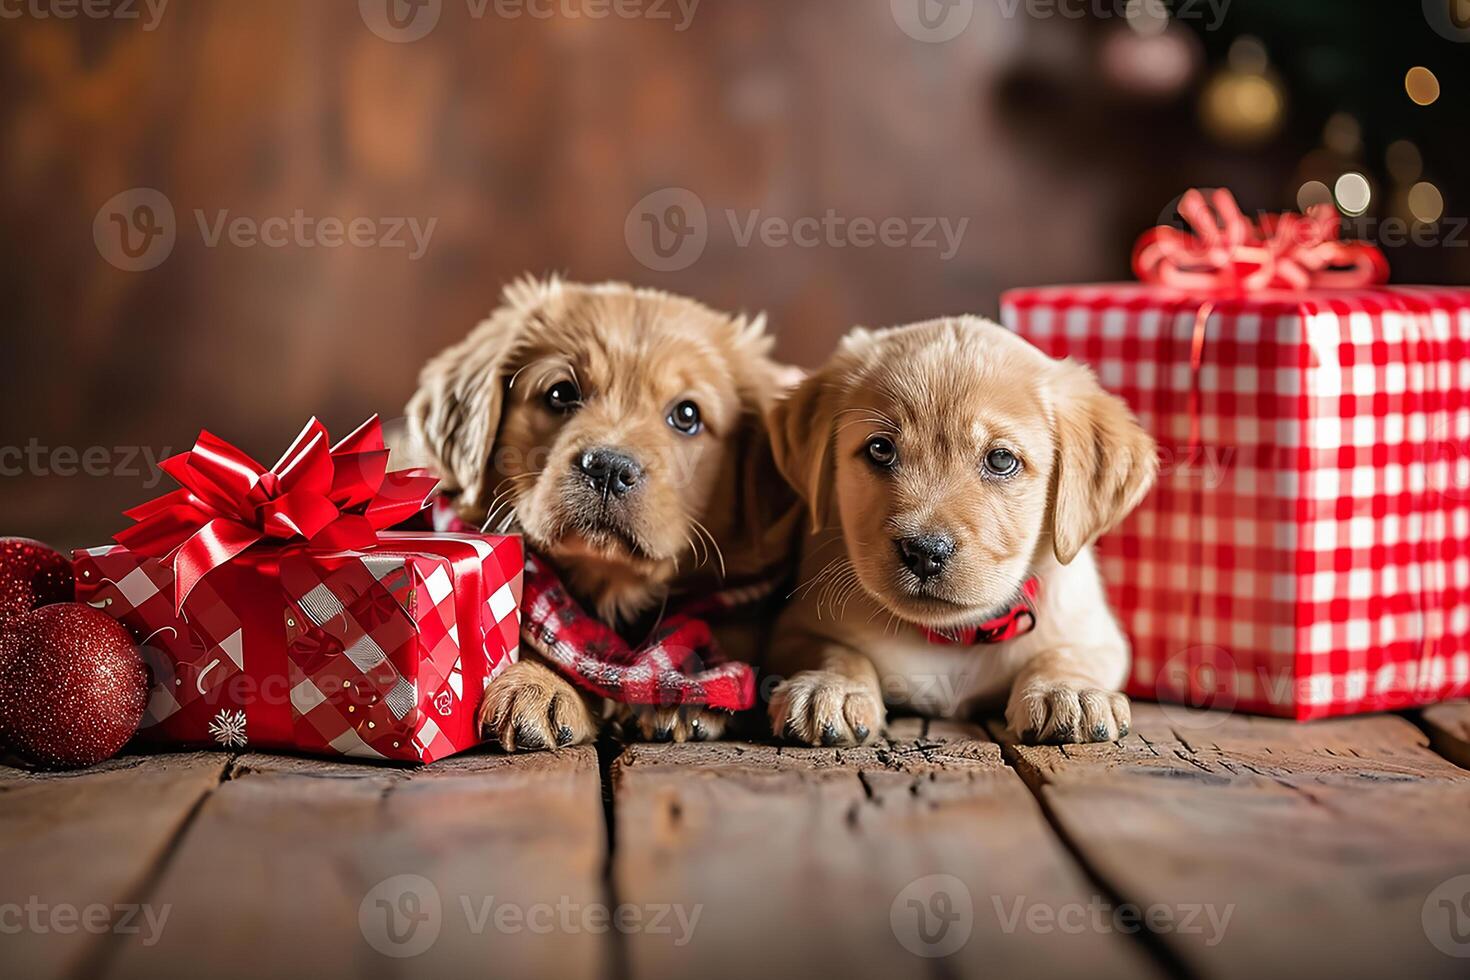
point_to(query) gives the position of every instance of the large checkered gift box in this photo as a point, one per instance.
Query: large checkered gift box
(1306, 552)
(333, 638)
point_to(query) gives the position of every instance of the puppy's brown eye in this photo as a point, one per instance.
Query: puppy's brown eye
(563, 397)
(1001, 462)
(685, 418)
(882, 452)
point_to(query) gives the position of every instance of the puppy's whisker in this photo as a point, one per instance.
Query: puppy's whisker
(712, 543)
(835, 585)
(807, 586)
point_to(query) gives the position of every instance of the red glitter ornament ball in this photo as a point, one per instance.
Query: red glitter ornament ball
(32, 575)
(72, 686)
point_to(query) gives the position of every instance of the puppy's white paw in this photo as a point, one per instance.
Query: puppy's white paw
(1062, 715)
(819, 707)
(530, 707)
(684, 724)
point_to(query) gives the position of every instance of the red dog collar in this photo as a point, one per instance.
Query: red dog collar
(1016, 621)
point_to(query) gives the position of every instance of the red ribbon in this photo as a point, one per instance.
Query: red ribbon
(1229, 253)
(335, 499)
(1018, 620)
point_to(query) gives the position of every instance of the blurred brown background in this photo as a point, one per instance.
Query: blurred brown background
(522, 135)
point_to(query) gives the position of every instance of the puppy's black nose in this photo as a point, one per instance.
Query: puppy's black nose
(926, 554)
(610, 470)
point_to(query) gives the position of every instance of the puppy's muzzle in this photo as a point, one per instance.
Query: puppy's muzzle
(926, 554)
(609, 471)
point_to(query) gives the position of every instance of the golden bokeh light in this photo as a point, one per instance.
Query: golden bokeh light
(1242, 108)
(1426, 203)
(1422, 86)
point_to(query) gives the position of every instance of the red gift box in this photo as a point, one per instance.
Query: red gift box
(276, 613)
(1306, 552)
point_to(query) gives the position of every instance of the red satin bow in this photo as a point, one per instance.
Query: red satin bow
(335, 499)
(1228, 252)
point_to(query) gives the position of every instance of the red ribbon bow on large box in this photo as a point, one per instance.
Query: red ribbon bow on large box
(1228, 252)
(335, 499)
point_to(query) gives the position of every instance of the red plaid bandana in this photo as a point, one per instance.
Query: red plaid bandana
(678, 664)
(1016, 621)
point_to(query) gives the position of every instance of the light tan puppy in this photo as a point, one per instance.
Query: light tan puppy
(621, 431)
(945, 463)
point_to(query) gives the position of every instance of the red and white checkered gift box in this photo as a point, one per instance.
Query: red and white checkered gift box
(321, 632)
(1306, 551)
(379, 655)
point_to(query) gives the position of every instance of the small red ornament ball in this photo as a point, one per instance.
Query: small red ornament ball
(32, 575)
(72, 686)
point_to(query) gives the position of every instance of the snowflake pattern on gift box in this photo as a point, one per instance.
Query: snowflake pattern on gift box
(228, 728)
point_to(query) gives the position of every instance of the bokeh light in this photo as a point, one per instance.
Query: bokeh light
(1342, 134)
(1426, 203)
(1311, 193)
(1248, 54)
(1405, 162)
(1422, 85)
(1242, 108)
(1147, 17)
(1353, 193)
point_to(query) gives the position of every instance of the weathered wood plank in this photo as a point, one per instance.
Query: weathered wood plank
(77, 848)
(1449, 730)
(1322, 842)
(283, 872)
(794, 861)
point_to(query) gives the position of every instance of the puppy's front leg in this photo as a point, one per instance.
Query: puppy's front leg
(531, 706)
(840, 703)
(1068, 696)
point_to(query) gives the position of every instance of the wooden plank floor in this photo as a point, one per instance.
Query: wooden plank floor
(1201, 845)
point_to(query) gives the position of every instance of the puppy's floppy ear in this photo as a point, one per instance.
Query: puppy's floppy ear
(1105, 462)
(801, 430)
(455, 414)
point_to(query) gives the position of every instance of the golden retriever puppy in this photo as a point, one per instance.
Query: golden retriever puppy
(945, 465)
(621, 431)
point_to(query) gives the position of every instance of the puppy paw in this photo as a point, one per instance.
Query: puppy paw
(1059, 714)
(529, 707)
(819, 707)
(684, 724)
